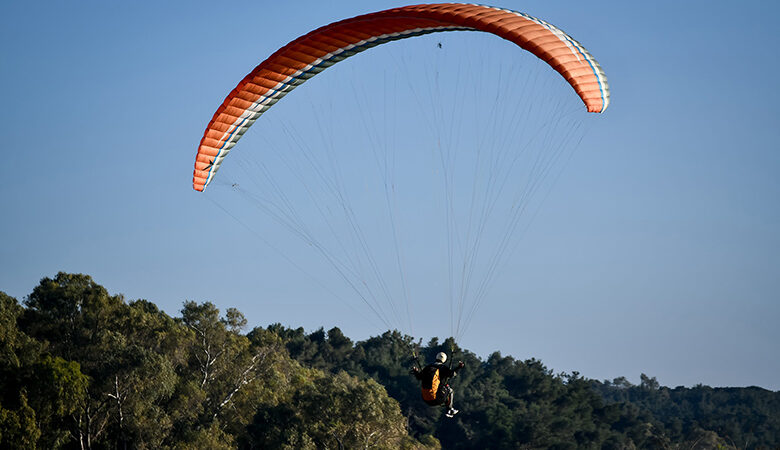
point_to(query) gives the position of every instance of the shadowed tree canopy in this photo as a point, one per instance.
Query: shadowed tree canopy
(83, 369)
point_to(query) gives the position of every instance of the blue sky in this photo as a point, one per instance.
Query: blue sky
(656, 250)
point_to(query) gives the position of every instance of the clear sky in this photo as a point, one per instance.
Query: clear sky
(656, 249)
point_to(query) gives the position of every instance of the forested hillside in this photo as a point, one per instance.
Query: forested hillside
(82, 368)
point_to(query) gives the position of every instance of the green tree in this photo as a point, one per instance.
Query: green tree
(18, 428)
(76, 319)
(42, 391)
(232, 370)
(332, 411)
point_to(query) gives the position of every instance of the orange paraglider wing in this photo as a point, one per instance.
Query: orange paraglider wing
(310, 54)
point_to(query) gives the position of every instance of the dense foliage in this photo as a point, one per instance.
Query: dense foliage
(742, 417)
(80, 368)
(507, 403)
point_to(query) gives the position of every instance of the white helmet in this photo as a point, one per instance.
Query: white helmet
(441, 357)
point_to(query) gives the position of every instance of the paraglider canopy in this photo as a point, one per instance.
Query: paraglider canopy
(308, 55)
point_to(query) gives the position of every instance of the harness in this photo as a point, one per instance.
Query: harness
(430, 383)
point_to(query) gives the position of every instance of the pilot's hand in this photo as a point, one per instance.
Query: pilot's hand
(414, 371)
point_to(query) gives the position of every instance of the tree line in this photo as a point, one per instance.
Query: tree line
(81, 368)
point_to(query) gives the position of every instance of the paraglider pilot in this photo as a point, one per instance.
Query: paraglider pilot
(433, 380)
